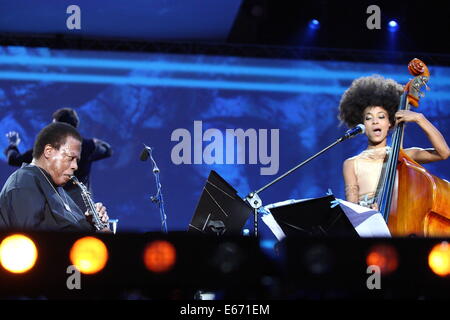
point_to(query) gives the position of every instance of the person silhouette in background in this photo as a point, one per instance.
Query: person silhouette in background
(92, 149)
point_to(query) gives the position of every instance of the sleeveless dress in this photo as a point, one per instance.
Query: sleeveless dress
(367, 167)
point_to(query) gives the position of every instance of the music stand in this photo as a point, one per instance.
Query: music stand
(313, 217)
(220, 211)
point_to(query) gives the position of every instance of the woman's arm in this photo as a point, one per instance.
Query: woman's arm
(351, 183)
(440, 150)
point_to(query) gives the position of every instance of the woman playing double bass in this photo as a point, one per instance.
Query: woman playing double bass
(373, 101)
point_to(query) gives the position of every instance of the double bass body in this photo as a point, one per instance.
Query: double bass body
(421, 202)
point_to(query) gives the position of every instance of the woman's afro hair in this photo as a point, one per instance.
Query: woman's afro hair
(369, 91)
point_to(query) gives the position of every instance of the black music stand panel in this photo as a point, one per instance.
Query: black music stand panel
(220, 211)
(313, 217)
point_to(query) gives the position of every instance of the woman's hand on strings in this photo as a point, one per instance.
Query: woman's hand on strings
(407, 116)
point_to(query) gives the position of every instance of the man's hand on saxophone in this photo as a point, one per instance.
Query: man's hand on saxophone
(101, 209)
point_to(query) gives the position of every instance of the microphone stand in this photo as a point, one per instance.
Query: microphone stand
(255, 201)
(158, 198)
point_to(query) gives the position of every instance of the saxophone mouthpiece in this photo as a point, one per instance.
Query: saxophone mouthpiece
(74, 179)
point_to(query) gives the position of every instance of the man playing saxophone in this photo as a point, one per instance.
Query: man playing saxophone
(33, 197)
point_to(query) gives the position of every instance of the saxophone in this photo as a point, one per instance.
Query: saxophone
(86, 195)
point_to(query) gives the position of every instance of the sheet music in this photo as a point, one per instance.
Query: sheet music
(367, 222)
(269, 220)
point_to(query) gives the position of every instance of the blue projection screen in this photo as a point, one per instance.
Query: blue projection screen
(187, 108)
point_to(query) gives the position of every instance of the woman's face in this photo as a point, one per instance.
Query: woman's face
(376, 120)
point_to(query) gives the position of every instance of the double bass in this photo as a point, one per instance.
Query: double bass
(413, 202)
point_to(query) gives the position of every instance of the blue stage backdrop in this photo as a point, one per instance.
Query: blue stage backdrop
(189, 108)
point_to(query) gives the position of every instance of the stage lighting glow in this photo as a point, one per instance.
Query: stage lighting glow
(383, 256)
(439, 259)
(393, 25)
(159, 256)
(314, 24)
(18, 253)
(89, 255)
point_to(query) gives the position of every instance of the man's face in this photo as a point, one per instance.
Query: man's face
(62, 163)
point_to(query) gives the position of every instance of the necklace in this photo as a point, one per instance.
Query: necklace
(375, 153)
(66, 205)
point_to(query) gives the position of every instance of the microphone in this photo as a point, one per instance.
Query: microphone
(360, 128)
(145, 153)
